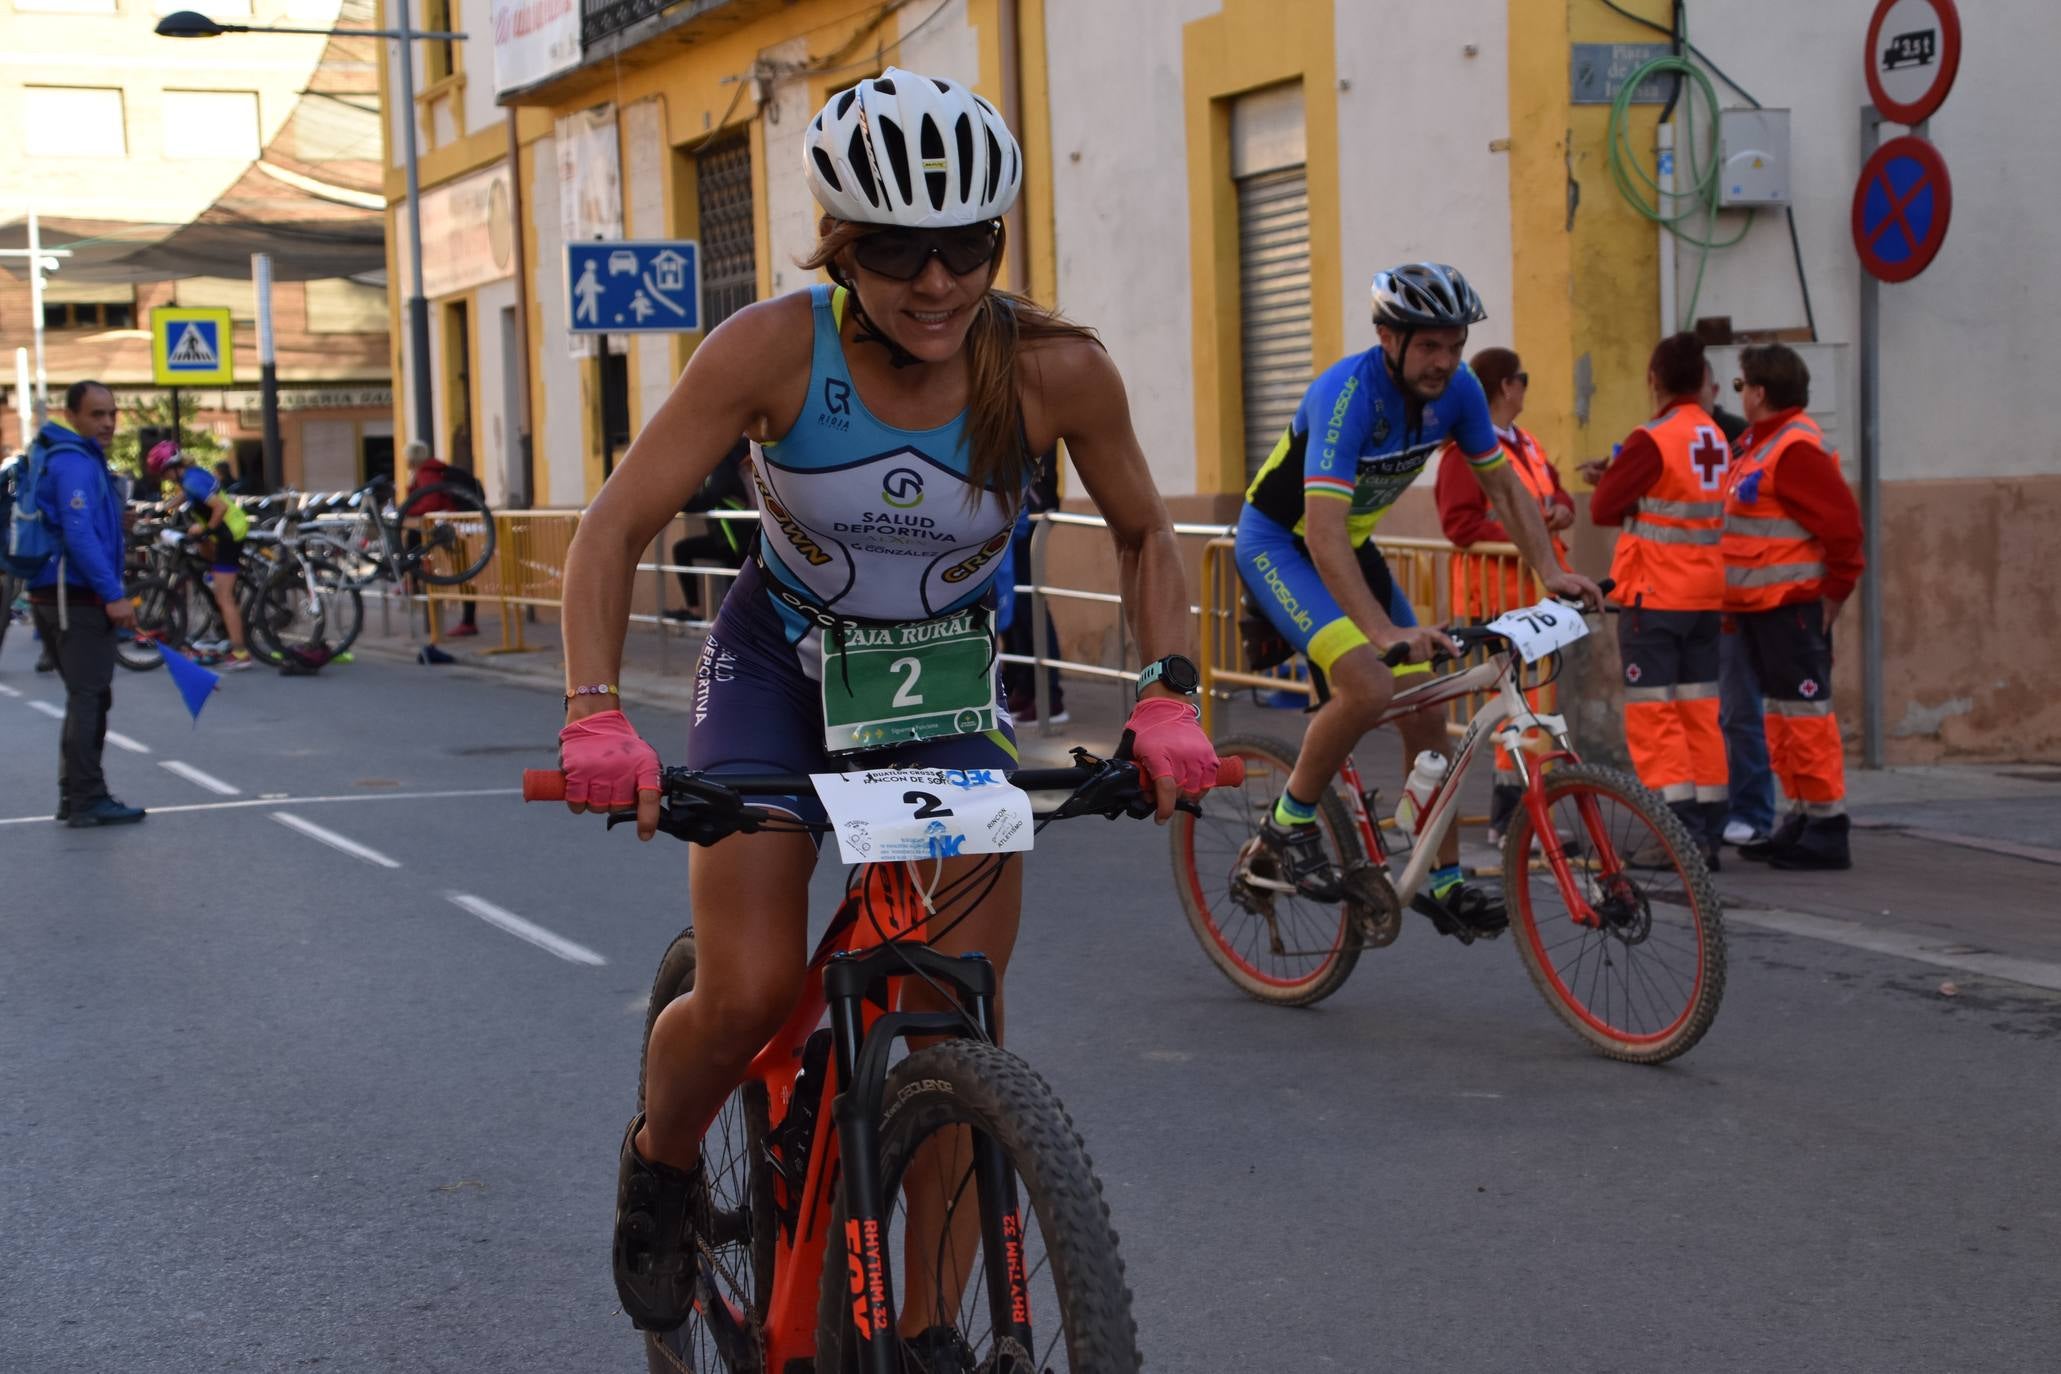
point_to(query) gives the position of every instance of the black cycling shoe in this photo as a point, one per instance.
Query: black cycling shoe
(1467, 912)
(1299, 849)
(656, 1208)
(939, 1350)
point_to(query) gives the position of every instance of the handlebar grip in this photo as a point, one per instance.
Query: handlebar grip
(1397, 655)
(1607, 585)
(543, 785)
(1231, 771)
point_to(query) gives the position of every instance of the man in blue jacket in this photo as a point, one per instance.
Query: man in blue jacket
(78, 600)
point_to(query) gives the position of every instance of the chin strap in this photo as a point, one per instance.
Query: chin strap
(865, 332)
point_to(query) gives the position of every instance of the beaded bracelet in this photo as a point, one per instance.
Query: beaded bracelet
(594, 689)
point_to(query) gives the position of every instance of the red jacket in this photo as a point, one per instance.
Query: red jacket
(1463, 507)
(1817, 497)
(435, 471)
(1631, 474)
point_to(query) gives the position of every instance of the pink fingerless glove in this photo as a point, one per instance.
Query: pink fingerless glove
(1167, 741)
(606, 761)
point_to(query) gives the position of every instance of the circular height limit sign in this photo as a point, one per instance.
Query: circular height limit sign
(1900, 209)
(1914, 51)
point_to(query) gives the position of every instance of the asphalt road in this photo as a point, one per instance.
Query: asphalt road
(266, 1104)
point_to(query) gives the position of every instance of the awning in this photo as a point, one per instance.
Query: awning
(313, 199)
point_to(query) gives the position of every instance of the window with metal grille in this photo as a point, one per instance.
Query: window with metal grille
(729, 250)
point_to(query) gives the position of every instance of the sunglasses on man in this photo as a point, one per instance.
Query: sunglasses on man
(1740, 384)
(902, 254)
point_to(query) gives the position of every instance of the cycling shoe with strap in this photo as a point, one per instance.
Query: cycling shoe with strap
(1468, 912)
(1304, 860)
(939, 1350)
(658, 1211)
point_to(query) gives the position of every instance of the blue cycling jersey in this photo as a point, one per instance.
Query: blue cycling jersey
(1357, 438)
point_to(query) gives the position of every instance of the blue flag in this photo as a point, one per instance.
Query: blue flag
(194, 682)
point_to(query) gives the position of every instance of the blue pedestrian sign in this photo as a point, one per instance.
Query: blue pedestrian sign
(643, 286)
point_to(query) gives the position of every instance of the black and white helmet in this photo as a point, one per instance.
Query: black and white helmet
(1425, 295)
(918, 151)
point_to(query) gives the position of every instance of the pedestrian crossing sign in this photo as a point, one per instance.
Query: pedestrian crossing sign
(192, 346)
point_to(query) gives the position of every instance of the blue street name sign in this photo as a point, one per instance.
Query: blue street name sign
(641, 286)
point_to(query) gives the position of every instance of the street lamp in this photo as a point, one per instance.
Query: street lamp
(191, 24)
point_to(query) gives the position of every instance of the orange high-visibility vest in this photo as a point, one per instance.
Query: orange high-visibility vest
(1473, 575)
(1770, 559)
(1669, 555)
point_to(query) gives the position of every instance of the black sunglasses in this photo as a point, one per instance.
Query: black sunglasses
(1522, 378)
(1740, 384)
(902, 254)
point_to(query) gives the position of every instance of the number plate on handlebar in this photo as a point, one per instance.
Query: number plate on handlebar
(892, 814)
(1539, 630)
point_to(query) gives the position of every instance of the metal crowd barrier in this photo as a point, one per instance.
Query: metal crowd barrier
(528, 570)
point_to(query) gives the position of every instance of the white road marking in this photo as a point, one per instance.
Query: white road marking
(194, 775)
(122, 741)
(525, 930)
(54, 712)
(335, 841)
(9, 692)
(282, 799)
(1903, 944)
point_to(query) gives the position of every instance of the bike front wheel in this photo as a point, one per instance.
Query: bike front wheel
(721, 1336)
(160, 618)
(988, 1283)
(448, 534)
(1643, 983)
(1277, 946)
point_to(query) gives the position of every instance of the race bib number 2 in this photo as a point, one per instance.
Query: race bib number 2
(888, 815)
(1539, 630)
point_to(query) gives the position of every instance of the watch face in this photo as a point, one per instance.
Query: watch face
(1179, 674)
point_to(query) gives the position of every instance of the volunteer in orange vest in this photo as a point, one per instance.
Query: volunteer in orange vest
(1666, 486)
(1792, 547)
(1479, 589)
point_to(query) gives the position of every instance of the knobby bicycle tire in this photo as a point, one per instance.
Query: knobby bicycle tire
(1695, 904)
(426, 563)
(160, 612)
(1336, 944)
(277, 620)
(973, 1084)
(739, 1176)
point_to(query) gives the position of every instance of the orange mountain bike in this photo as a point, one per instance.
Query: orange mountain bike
(808, 1163)
(1613, 909)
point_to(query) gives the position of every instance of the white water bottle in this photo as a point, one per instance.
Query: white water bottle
(1425, 776)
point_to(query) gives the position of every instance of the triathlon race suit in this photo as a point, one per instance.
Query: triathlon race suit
(225, 541)
(870, 595)
(1353, 439)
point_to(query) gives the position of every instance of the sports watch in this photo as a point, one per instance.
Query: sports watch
(1173, 672)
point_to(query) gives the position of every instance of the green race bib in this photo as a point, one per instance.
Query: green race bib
(893, 684)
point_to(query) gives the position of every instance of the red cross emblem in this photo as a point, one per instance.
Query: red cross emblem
(1632, 673)
(1710, 455)
(1808, 687)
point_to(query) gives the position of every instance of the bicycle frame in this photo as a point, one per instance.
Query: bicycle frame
(1507, 719)
(855, 975)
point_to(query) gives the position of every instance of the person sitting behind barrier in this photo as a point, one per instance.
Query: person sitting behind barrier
(1478, 591)
(725, 543)
(1019, 680)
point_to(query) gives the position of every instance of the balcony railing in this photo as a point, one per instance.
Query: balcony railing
(600, 18)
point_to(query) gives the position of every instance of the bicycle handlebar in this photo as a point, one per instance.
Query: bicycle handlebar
(704, 809)
(1472, 637)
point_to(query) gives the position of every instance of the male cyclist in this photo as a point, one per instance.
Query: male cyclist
(1365, 429)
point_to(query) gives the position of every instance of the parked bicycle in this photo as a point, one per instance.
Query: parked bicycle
(443, 534)
(809, 1162)
(1614, 912)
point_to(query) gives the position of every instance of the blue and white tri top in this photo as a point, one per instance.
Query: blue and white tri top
(866, 520)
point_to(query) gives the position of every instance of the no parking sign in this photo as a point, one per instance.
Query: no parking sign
(1901, 208)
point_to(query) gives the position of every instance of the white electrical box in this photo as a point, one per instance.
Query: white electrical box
(1753, 157)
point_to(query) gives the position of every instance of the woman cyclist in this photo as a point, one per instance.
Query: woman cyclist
(896, 419)
(221, 524)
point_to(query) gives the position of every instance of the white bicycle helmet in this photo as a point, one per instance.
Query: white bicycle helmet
(918, 151)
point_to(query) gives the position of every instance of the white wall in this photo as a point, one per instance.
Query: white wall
(490, 422)
(645, 154)
(561, 481)
(1959, 343)
(1120, 205)
(791, 211)
(1416, 116)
